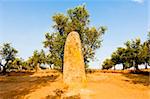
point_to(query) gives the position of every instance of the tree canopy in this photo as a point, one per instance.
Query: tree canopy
(7, 54)
(133, 54)
(76, 19)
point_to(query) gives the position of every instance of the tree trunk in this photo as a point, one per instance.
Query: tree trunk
(136, 67)
(114, 68)
(4, 70)
(123, 66)
(50, 66)
(146, 65)
(37, 68)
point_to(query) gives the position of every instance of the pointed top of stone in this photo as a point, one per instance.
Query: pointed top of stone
(74, 34)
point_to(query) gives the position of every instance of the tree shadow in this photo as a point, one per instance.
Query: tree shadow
(138, 77)
(16, 87)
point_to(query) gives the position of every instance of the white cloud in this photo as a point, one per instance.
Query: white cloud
(138, 1)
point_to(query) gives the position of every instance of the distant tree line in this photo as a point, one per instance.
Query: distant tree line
(133, 54)
(9, 59)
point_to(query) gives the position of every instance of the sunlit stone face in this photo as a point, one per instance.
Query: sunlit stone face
(73, 69)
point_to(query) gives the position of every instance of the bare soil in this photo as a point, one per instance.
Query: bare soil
(48, 84)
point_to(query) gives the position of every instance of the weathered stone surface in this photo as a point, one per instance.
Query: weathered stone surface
(73, 69)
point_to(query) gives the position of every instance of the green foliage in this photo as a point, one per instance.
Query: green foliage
(133, 54)
(77, 19)
(120, 57)
(37, 58)
(15, 64)
(107, 64)
(19, 64)
(26, 66)
(7, 54)
(145, 54)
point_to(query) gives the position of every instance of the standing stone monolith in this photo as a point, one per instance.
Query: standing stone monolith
(74, 67)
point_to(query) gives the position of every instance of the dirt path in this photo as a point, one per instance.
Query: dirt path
(99, 86)
(104, 85)
(116, 86)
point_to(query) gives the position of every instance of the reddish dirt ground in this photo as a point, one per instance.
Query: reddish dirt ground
(48, 84)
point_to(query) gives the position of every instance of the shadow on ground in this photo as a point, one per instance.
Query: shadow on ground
(138, 77)
(16, 87)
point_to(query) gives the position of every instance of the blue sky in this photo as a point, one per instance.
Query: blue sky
(24, 22)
